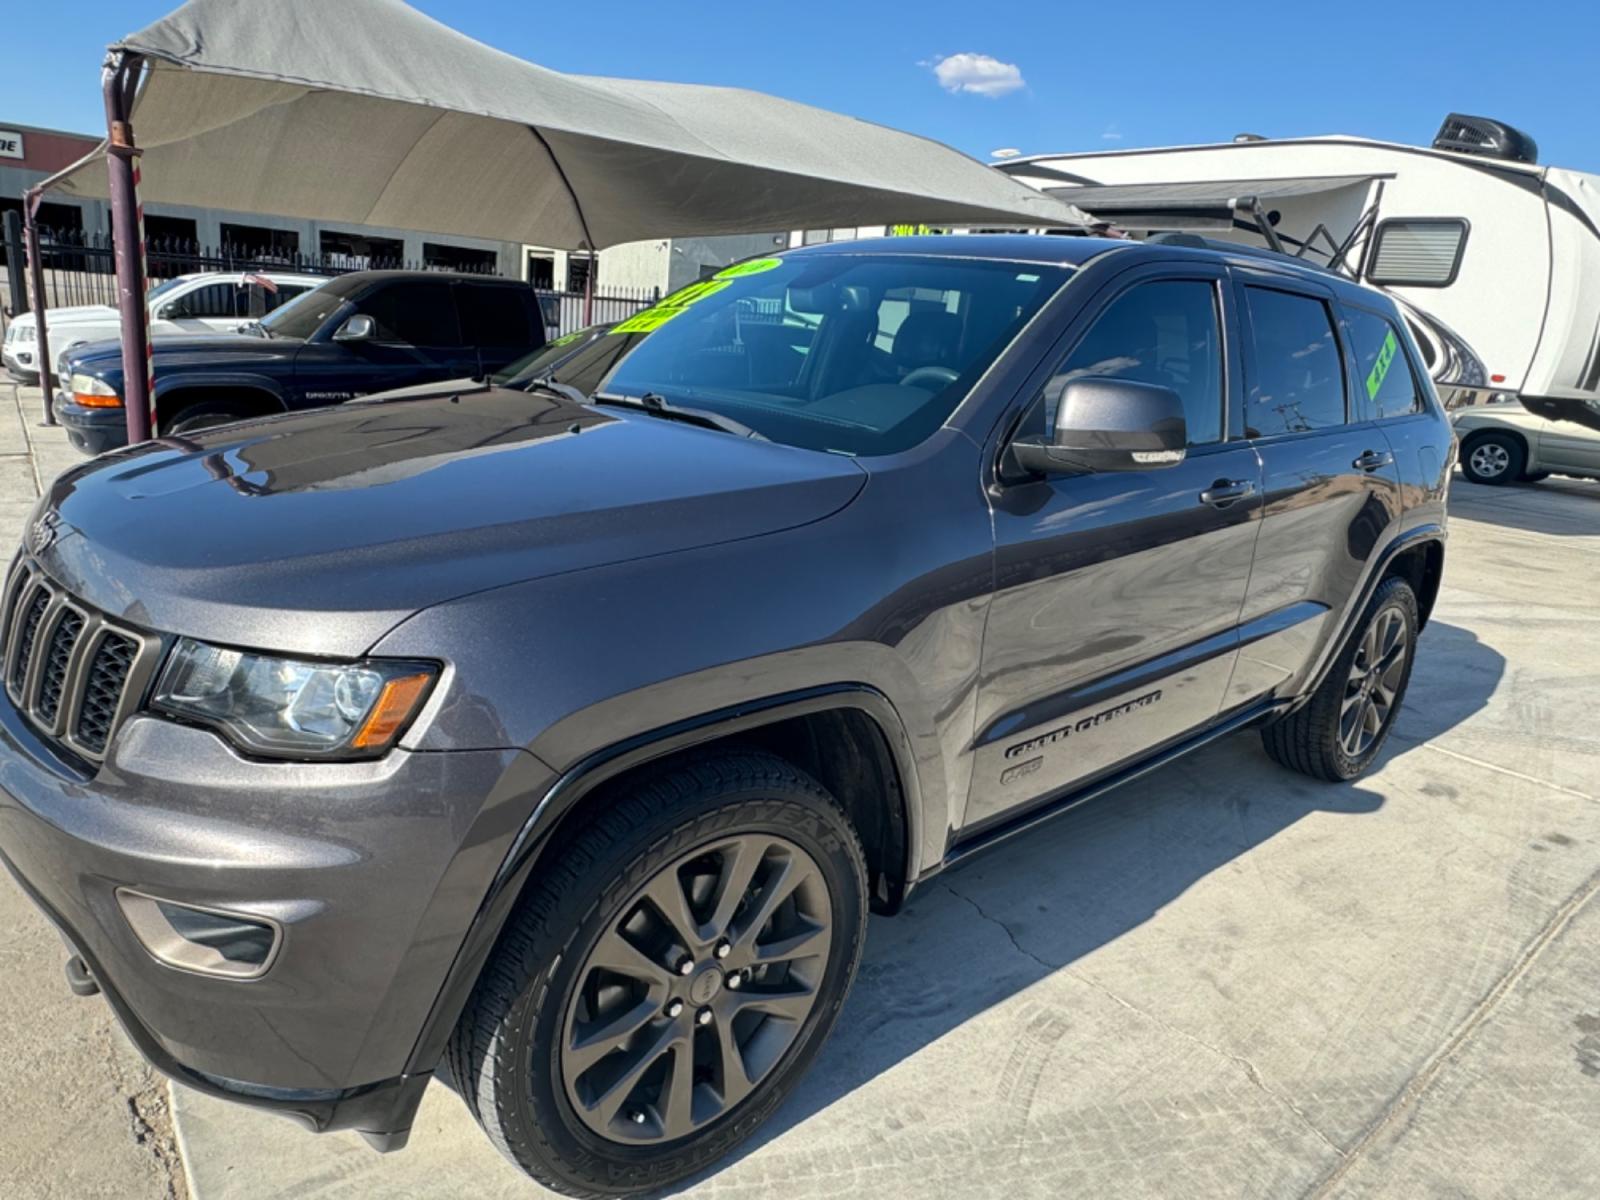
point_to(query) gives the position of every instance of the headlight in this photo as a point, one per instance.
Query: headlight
(287, 708)
(93, 393)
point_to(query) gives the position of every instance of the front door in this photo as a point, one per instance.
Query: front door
(1112, 629)
(417, 339)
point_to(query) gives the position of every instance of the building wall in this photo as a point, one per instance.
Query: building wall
(48, 151)
(664, 264)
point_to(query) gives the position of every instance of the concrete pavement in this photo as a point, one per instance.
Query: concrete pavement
(1225, 981)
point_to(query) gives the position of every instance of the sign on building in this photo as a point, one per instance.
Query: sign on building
(10, 144)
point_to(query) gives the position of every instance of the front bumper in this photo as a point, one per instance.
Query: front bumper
(373, 871)
(20, 362)
(92, 430)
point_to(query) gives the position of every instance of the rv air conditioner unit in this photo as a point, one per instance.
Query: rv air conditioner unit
(1486, 137)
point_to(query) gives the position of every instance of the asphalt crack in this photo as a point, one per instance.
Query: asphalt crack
(1251, 1072)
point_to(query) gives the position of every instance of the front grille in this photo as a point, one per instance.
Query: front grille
(102, 690)
(74, 674)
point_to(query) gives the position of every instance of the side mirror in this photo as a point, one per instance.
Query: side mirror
(359, 328)
(173, 310)
(1109, 425)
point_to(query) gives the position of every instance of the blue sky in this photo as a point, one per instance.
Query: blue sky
(1062, 77)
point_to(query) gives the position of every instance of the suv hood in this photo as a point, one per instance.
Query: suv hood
(317, 532)
(104, 358)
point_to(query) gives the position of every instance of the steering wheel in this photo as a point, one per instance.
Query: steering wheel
(941, 377)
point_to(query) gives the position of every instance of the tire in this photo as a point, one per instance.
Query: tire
(1317, 739)
(520, 1055)
(1494, 458)
(202, 417)
(1533, 476)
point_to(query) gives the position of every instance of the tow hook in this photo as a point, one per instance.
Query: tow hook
(78, 978)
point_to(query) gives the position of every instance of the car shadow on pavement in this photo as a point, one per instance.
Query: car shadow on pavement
(976, 936)
(1562, 507)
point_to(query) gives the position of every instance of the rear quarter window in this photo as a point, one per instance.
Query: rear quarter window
(497, 316)
(1383, 371)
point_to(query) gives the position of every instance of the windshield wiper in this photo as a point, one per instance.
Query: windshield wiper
(547, 383)
(657, 406)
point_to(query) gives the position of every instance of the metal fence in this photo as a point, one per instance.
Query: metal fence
(80, 268)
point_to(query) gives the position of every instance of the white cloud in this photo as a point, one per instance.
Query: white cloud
(1112, 133)
(977, 74)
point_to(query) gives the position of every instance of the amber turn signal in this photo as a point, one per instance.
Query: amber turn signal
(394, 708)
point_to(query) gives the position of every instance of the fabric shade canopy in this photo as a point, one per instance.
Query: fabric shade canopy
(368, 111)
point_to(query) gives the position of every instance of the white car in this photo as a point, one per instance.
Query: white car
(208, 302)
(1505, 443)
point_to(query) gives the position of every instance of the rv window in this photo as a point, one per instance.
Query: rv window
(1298, 381)
(1417, 251)
(1383, 372)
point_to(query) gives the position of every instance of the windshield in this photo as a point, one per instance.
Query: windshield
(304, 315)
(165, 286)
(560, 359)
(855, 354)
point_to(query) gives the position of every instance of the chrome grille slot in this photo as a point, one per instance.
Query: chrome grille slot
(74, 675)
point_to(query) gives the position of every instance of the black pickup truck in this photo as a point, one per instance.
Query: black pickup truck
(369, 331)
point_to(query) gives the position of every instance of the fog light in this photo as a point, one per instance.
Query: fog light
(209, 941)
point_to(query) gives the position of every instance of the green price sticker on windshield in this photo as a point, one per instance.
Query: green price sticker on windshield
(754, 267)
(674, 305)
(1380, 369)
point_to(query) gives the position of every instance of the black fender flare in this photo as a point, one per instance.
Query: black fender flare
(580, 780)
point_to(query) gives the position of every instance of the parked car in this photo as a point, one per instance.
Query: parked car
(185, 305)
(1505, 443)
(368, 331)
(567, 739)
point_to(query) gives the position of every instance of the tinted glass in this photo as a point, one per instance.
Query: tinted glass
(850, 353)
(1164, 333)
(1381, 366)
(1298, 384)
(286, 292)
(304, 315)
(496, 316)
(413, 313)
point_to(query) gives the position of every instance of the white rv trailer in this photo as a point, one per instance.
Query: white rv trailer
(1495, 259)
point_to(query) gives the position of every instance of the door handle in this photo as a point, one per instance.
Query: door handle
(1227, 491)
(1372, 460)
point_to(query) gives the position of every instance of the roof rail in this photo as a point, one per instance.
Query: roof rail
(1195, 242)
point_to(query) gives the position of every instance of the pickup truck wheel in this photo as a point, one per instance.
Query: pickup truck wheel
(1337, 734)
(1493, 458)
(665, 983)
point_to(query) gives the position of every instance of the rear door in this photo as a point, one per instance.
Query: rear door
(1331, 487)
(499, 324)
(1113, 625)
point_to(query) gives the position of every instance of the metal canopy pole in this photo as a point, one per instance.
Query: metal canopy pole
(30, 234)
(119, 80)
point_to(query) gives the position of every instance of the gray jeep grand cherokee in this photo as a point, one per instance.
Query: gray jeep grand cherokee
(561, 739)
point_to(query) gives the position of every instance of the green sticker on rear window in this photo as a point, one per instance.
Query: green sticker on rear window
(659, 314)
(754, 267)
(1380, 369)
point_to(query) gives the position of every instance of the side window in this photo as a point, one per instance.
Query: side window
(1382, 365)
(493, 316)
(415, 314)
(1299, 372)
(213, 300)
(1165, 333)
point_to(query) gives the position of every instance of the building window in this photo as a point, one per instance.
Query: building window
(442, 256)
(358, 252)
(259, 243)
(542, 271)
(578, 272)
(1417, 251)
(175, 235)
